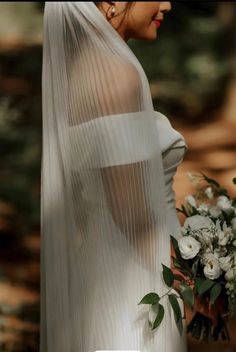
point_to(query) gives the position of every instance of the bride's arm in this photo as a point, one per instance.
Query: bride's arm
(125, 193)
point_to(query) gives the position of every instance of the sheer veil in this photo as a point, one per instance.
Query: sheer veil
(103, 209)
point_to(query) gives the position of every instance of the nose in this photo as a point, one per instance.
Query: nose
(165, 6)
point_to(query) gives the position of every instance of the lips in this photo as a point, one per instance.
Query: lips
(157, 22)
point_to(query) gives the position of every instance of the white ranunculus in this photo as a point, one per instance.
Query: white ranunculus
(233, 224)
(212, 268)
(225, 263)
(216, 253)
(203, 209)
(230, 275)
(199, 226)
(191, 201)
(223, 203)
(209, 192)
(188, 246)
(198, 222)
(215, 212)
(220, 252)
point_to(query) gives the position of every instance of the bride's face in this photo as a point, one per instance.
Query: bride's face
(135, 19)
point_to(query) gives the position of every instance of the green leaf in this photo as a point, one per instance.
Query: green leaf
(215, 292)
(184, 210)
(198, 282)
(210, 180)
(174, 242)
(150, 298)
(195, 267)
(176, 262)
(205, 286)
(159, 318)
(178, 277)
(180, 265)
(223, 192)
(180, 211)
(167, 275)
(187, 294)
(175, 306)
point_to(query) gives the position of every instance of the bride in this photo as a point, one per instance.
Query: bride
(108, 162)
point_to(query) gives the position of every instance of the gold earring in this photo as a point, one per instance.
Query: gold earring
(113, 10)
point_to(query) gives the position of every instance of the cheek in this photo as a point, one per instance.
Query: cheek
(141, 26)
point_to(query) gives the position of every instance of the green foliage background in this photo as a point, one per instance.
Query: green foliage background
(189, 68)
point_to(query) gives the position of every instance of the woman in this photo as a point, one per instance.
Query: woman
(108, 163)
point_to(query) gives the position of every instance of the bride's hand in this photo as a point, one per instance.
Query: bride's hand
(212, 311)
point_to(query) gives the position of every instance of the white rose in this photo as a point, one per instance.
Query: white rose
(225, 263)
(230, 275)
(209, 192)
(233, 223)
(208, 256)
(215, 212)
(188, 246)
(212, 268)
(223, 203)
(191, 200)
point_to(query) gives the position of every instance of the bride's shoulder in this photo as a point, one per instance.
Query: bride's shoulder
(160, 116)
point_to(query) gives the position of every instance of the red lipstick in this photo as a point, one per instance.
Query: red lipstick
(157, 23)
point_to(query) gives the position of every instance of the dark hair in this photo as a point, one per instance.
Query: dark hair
(126, 10)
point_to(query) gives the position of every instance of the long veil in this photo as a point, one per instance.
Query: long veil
(104, 228)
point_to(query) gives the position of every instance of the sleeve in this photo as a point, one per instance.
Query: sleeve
(122, 150)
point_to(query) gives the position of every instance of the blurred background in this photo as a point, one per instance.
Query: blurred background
(191, 68)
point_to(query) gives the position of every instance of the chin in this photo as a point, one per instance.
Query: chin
(147, 36)
(151, 36)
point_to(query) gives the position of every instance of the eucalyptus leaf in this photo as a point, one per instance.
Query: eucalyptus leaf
(167, 275)
(150, 298)
(186, 293)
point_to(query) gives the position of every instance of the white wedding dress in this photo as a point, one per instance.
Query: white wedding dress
(112, 284)
(107, 203)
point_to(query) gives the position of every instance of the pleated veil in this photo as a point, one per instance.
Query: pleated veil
(103, 209)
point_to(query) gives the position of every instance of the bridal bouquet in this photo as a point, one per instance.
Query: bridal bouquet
(203, 272)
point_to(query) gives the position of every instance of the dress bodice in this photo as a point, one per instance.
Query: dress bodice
(117, 149)
(174, 148)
